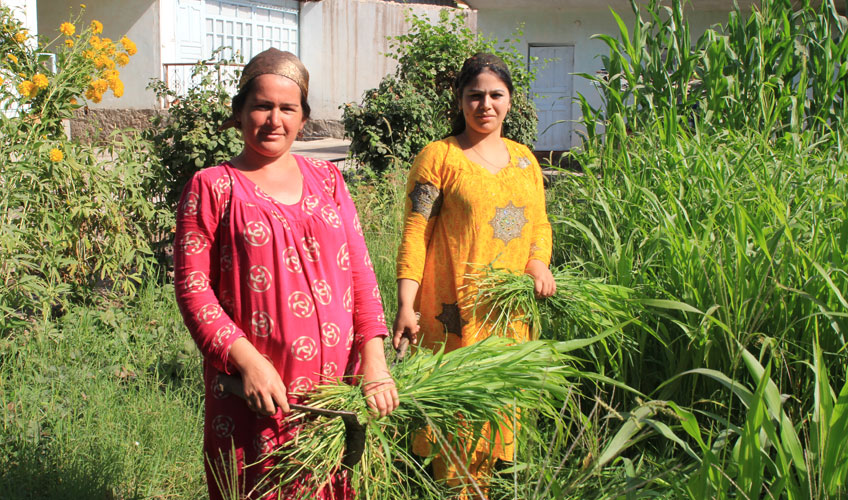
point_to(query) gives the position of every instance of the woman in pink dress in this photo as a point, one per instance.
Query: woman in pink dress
(274, 283)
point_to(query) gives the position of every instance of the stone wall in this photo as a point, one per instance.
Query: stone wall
(320, 129)
(94, 125)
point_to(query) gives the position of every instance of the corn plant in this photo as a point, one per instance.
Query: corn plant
(781, 67)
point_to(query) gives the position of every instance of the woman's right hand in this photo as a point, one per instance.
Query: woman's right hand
(406, 323)
(263, 388)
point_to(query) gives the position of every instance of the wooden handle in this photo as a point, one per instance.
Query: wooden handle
(403, 346)
(234, 385)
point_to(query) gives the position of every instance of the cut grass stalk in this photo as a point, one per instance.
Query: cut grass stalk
(455, 393)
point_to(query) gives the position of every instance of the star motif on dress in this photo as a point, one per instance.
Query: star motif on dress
(426, 199)
(508, 222)
(451, 318)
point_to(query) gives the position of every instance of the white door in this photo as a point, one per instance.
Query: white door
(189, 31)
(553, 92)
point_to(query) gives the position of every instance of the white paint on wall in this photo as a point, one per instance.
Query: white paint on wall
(137, 19)
(26, 12)
(342, 44)
(561, 26)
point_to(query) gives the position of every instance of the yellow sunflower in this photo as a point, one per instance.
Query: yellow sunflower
(40, 81)
(67, 29)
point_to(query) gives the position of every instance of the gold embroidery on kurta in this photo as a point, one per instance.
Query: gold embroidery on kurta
(426, 199)
(508, 222)
(451, 318)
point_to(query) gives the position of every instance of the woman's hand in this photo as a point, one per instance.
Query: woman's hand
(545, 285)
(406, 323)
(263, 388)
(377, 383)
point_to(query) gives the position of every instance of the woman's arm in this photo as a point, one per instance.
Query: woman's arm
(544, 283)
(264, 390)
(369, 321)
(423, 204)
(541, 244)
(195, 249)
(377, 383)
(406, 321)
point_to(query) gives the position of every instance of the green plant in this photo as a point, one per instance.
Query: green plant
(187, 139)
(74, 217)
(782, 68)
(103, 402)
(769, 454)
(728, 238)
(453, 393)
(412, 107)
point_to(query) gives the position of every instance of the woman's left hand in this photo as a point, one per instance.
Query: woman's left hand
(377, 383)
(545, 285)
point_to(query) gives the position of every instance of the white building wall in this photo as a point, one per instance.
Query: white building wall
(137, 19)
(571, 27)
(342, 43)
(25, 11)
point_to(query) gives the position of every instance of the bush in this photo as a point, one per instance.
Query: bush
(187, 138)
(72, 216)
(412, 107)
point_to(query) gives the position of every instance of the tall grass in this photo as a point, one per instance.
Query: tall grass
(736, 239)
(104, 403)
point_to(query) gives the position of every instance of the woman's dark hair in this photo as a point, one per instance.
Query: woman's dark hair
(472, 67)
(240, 98)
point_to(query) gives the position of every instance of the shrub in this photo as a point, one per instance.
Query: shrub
(72, 215)
(412, 107)
(187, 138)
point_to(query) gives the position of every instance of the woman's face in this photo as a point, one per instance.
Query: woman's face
(271, 117)
(485, 103)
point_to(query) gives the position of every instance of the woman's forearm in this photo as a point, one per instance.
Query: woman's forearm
(407, 290)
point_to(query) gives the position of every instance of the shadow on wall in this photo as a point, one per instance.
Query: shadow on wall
(117, 17)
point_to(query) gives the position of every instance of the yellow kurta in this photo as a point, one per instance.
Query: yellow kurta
(460, 218)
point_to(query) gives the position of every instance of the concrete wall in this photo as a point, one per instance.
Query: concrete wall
(571, 27)
(138, 19)
(342, 43)
(25, 11)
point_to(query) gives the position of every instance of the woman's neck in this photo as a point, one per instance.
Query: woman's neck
(469, 138)
(250, 161)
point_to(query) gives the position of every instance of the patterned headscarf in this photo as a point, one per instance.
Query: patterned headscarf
(275, 62)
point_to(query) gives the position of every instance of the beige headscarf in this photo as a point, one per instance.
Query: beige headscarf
(275, 62)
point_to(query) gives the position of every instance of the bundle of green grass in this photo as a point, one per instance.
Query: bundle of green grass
(453, 393)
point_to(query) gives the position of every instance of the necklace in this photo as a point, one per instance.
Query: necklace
(483, 157)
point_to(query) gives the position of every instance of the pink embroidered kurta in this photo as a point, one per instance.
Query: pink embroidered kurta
(295, 280)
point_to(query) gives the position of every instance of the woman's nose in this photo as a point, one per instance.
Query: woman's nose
(275, 117)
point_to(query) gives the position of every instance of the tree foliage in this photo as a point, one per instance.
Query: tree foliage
(412, 107)
(187, 139)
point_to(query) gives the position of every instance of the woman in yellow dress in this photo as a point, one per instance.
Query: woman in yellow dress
(475, 199)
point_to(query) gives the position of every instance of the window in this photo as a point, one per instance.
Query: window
(249, 27)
